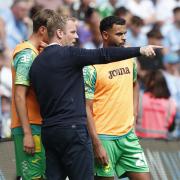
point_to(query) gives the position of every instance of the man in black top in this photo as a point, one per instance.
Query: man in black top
(56, 75)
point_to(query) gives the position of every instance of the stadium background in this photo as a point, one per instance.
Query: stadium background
(148, 22)
(163, 159)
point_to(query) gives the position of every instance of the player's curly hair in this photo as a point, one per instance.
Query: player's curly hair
(108, 22)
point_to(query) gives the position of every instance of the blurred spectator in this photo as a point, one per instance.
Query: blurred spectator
(80, 8)
(2, 36)
(63, 11)
(118, 2)
(5, 4)
(5, 85)
(172, 76)
(5, 72)
(66, 8)
(5, 81)
(49, 4)
(68, 2)
(0, 119)
(154, 37)
(164, 13)
(93, 21)
(171, 62)
(5, 100)
(6, 117)
(135, 37)
(84, 33)
(123, 13)
(107, 8)
(96, 41)
(34, 9)
(156, 108)
(16, 29)
(172, 32)
(142, 8)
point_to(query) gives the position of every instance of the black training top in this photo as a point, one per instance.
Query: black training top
(56, 76)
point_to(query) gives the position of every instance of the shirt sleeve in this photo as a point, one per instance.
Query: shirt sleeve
(89, 74)
(134, 70)
(22, 63)
(83, 57)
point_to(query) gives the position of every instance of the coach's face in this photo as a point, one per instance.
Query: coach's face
(70, 33)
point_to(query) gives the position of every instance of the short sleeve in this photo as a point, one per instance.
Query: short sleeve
(89, 73)
(22, 63)
(134, 70)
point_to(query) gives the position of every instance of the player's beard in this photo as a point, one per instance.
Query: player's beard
(120, 44)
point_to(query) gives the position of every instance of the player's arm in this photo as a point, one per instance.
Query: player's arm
(89, 80)
(20, 102)
(22, 63)
(135, 90)
(84, 57)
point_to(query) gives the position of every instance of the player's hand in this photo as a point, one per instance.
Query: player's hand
(149, 50)
(42, 46)
(28, 142)
(101, 155)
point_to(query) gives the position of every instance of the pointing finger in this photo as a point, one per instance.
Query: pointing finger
(156, 47)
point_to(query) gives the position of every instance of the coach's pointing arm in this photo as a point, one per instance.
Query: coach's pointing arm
(83, 57)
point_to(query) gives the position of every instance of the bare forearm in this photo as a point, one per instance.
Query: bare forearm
(92, 131)
(91, 127)
(22, 113)
(99, 151)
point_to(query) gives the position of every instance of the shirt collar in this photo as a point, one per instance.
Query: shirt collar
(53, 44)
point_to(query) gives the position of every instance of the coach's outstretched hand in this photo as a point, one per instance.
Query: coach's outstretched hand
(149, 50)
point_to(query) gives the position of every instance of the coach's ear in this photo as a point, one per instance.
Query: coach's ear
(59, 33)
(105, 35)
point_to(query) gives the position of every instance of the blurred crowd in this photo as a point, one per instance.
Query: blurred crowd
(148, 22)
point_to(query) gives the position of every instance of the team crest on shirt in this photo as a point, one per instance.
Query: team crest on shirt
(107, 168)
(25, 58)
(119, 71)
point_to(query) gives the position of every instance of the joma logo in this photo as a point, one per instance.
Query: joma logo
(120, 71)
